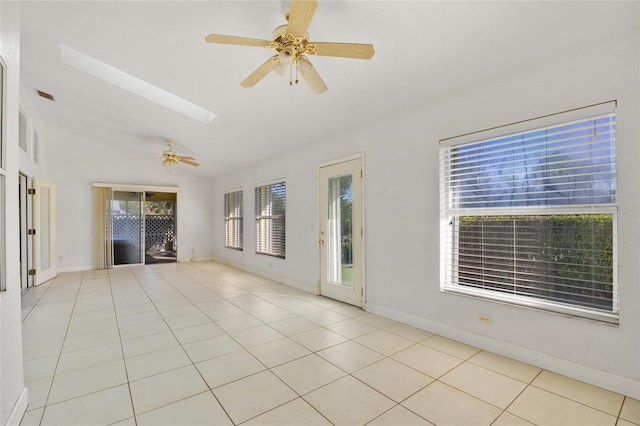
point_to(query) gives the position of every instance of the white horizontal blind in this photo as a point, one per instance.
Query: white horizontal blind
(270, 209)
(567, 164)
(530, 217)
(233, 220)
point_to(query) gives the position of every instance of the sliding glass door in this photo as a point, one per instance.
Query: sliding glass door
(127, 221)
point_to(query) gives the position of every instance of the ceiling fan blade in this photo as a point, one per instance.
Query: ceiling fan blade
(184, 157)
(300, 15)
(281, 69)
(261, 72)
(189, 162)
(345, 50)
(243, 41)
(311, 76)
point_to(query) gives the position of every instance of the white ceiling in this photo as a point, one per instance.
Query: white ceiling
(425, 50)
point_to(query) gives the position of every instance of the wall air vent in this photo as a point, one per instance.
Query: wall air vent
(45, 95)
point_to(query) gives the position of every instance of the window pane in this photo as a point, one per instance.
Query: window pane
(45, 228)
(233, 220)
(23, 136)
(568, 164)
(270, 207)
(561, 258)
(36, 146)
(340, 230)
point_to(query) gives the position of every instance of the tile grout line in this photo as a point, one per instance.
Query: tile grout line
(124, 361)
(210, 390)
(66, 333)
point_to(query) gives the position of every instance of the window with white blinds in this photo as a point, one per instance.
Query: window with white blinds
(233, 220)
(530, 217)
(270, 205)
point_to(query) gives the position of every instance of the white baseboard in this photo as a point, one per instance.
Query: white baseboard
(76, 268)
(273, 277)
(194, 259)
(19, 408)
(603, 379)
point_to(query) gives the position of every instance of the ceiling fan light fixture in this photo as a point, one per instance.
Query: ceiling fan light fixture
(169, 163)
(287, 55)
(291, 43)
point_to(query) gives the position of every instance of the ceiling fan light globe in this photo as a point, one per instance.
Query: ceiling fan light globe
(286, 56)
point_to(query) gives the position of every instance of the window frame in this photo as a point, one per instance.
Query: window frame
(275, 245)
(231, 203)
(449, 225)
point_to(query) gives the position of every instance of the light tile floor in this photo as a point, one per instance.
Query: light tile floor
(203, 343)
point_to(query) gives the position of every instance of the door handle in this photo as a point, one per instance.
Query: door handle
(321, 242)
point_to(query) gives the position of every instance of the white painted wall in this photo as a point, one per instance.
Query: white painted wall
(401, 176)
(74, 163)
(26, 163)
(13, 394)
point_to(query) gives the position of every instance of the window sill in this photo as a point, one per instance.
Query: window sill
(538, 305)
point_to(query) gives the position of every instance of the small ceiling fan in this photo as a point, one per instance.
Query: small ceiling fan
(171, 158)
(291, 42)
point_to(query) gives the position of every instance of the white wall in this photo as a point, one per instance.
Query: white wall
(74, 163)
(26, 163)
(13, 394)
(401, 175)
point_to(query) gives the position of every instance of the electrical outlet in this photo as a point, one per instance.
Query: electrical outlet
(485, 319)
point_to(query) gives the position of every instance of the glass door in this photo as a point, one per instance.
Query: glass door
(341, 232)
(44, 222)
(160, 227)
(26, 233)
(127, 222)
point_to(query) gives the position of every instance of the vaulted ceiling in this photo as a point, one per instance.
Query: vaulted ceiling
(425, 50)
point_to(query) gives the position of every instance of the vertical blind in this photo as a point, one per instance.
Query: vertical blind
(531, 216)
(270, 209)
(102, 228)
(233, 220)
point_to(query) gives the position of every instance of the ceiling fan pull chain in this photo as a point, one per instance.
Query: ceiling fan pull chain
(290, 75)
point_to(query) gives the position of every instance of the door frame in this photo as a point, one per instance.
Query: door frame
(359, 156)
(144, 189)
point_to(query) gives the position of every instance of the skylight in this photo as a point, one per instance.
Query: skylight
(133, 84)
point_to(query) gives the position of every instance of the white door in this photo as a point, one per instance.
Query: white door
(44, 223)
(341, 232)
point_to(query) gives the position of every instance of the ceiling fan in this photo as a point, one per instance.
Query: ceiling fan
(291, 42)
(171, 158)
